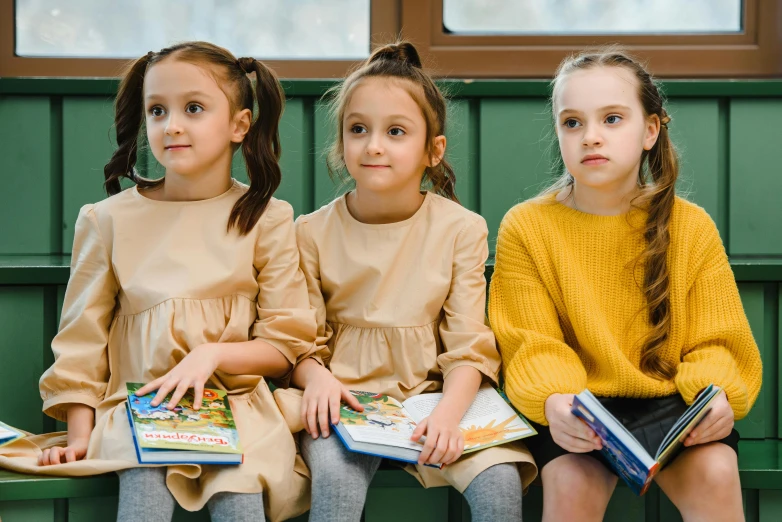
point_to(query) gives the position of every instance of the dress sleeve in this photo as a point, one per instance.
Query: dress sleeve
(285, 319)
(720, 348)
(537, 361)
(80, 372)
(310, 266)
(466, 338)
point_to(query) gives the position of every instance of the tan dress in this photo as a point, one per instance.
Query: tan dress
(149, 282)
(401, 305)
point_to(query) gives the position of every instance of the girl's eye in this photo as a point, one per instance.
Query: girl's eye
(193, 108)
(396, 131)
(613, 119)
(570, 123)
(357, 129)
(157, 111)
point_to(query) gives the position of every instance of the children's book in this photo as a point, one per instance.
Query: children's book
(385, 426)
(183, 435)
(623, 451)
(9, 434)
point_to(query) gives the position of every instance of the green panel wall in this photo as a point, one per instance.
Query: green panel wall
(513, 145)
(28, 151)
(53, 148)
(88, 142)
(755, 180)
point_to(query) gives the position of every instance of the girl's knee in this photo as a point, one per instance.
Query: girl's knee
(577, 476)
(711, 467)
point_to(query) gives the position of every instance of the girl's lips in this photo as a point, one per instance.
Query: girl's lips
(177, 147)
(375, 166)
(596, 160)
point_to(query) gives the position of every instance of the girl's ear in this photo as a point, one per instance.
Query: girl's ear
(652, 131)
(242, 121)
(438, 151)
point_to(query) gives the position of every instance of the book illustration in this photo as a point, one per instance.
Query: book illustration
(385, 426)
(477, 436)
(9, 434)
(383, 416)
(211, 427)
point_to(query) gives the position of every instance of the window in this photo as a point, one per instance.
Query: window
(566, 17)
(297, 38)
(528, 38)
(267, 29)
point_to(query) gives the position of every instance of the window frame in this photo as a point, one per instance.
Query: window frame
(384, 23)
(755, 52)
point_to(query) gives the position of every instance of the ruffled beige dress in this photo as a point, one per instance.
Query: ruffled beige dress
(400, 306)
(149, 282)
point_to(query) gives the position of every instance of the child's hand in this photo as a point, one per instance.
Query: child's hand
(321, 401)
(567, 430)
(444, 440)
(192, 372)
(716, 425)
(75, 450)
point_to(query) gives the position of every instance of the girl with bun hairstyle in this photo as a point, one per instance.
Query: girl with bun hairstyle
(396, 274)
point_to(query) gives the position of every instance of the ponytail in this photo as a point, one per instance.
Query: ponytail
(663, 168)
(128, 116)
(261, 147)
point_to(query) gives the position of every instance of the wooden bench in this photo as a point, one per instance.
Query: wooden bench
(394, 495)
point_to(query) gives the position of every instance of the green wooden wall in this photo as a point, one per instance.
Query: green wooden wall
(55, 137)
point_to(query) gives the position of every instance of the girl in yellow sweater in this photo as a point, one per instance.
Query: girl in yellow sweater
(610, 282)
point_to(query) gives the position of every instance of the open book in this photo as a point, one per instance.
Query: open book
(623, 451)
(183, 435)
(385, 426)
(9, 434)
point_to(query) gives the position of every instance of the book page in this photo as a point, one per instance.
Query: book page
(383, 421)
(488, 421)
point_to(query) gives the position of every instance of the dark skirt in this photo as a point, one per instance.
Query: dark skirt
(649, 420)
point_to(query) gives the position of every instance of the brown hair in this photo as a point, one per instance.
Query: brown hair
(261, 145)
(657, 179)
(398, 61)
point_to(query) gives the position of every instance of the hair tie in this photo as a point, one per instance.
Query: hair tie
(665, 120)
(247, 65)
(150, 55)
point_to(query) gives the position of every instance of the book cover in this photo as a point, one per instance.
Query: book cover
(9, 434)
(629, 459)
(183, 432)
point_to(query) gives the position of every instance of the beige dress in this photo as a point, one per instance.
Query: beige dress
(149, 282)
(401, 305)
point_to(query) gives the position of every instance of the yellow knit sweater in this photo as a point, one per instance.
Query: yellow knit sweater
(565, 300)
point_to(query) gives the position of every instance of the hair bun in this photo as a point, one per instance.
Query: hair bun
(246, 64)
(403, 52)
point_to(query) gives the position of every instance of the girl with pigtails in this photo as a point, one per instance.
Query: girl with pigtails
(610, 282)
(188, 281)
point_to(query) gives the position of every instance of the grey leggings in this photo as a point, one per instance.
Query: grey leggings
(340, 480)
(143, 495)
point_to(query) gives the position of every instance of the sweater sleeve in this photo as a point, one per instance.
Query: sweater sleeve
(537, 361)
(720, 348)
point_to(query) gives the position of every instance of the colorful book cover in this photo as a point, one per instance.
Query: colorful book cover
(9, 434)
(631, 461)
(210, 429)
